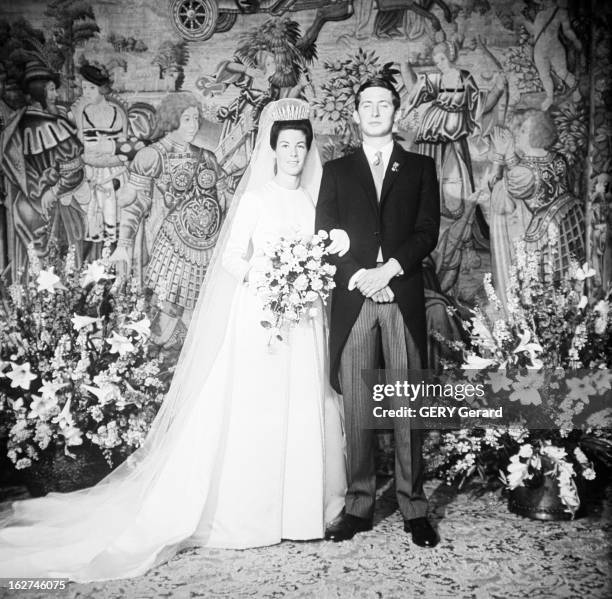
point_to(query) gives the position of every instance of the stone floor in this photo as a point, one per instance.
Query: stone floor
(485, 553)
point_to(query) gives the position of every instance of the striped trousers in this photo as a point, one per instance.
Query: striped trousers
(379, 331)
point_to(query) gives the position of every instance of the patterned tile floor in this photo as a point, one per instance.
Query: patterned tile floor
(486, 553)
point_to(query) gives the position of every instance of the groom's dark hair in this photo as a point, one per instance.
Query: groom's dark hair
(378, 82)
(302, 125)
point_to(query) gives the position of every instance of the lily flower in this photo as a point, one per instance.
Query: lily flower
(105, 393)
(79, 322)
(48, 281)
(95, 272)
(119, 344)
(21, 375)
(142, 328)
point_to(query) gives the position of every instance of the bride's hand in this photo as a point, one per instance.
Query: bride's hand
(340, 242)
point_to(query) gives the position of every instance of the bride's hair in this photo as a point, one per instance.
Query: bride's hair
(302, 125)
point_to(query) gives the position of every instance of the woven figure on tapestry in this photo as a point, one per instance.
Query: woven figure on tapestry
(184, 244)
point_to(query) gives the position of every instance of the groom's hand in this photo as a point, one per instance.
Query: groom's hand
(373, 280)
(384, 296)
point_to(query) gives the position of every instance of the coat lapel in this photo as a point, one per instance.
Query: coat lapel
(364, 175)
(396, 162)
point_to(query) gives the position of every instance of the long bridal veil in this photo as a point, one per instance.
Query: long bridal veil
(151, 505)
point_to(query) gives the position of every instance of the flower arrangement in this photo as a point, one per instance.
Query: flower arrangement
(546, 355)
(290, 278)
(76, 362)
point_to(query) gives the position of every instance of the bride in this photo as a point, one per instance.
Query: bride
(247, 447)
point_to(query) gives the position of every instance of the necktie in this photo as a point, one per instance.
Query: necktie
(378, 172)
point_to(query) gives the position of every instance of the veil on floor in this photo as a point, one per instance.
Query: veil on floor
(125, 525)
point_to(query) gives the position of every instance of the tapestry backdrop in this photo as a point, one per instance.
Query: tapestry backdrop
(511, 99)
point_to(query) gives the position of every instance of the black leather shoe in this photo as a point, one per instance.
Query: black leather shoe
(346, 527)
(423, 533)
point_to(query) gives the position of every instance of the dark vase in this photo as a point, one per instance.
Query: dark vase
(57, 472)
(542, 501)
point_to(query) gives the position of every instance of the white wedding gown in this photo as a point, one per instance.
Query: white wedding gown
(258, 459)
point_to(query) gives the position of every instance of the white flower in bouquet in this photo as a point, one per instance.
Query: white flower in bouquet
(96, 413)
(106, 392)
(72, 435)
(291, 280)
(48, 281)
(43, 407)
(580, 456)
(525, 451)
(518, 433)
(80, 322)
(23, 463)
(300, 283)
(316, 284)
(120, 344)
(317, 252)
(553, 452)
(588, 473)
(517, 472)
(43, 434)
(142, 328)
(21, 375)
(96, 271)
(20, 430)
(474, 362)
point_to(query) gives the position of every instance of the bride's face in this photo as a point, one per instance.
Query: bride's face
(291, 151)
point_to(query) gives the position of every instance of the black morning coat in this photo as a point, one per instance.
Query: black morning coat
(405, 224)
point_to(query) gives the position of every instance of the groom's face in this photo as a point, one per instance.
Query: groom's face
(376, 112)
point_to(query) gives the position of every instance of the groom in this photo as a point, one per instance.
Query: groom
(387, 200)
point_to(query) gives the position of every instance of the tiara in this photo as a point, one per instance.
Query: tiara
(289, 109)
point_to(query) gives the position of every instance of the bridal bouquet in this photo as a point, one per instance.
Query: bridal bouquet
(290, 277)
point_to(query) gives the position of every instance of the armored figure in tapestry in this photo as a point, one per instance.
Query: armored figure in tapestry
(171, 214)
(532, 201)
(41, 158)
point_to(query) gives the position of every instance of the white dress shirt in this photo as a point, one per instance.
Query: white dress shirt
(370, 153)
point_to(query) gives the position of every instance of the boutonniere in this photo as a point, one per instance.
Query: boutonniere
(395, 167)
